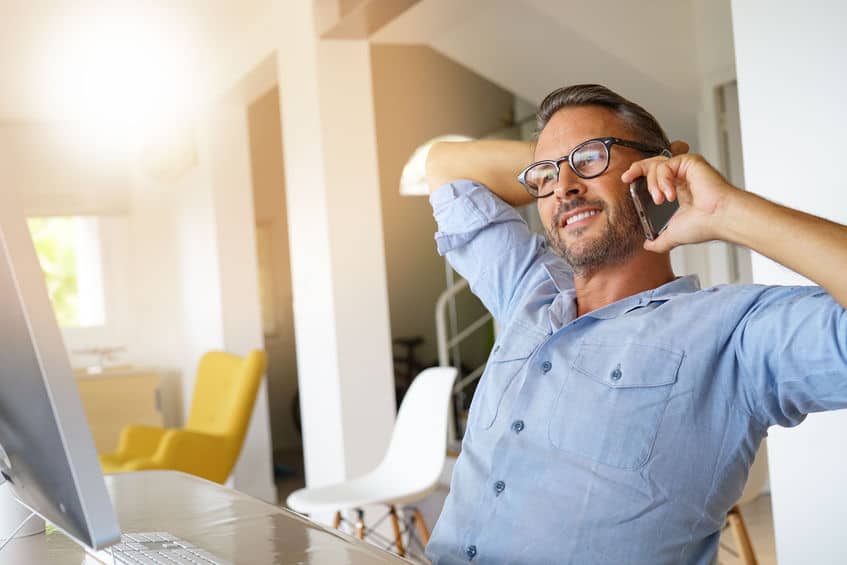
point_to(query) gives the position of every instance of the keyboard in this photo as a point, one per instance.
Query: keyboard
(156, 548)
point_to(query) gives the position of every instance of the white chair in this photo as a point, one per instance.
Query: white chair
(410, 469)
(756, 479)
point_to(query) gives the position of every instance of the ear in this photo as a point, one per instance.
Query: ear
(679, 147)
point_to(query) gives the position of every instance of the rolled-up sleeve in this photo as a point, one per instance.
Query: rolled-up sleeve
(488, 243)
(792, 348)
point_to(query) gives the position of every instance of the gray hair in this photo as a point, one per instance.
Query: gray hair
(640, 122)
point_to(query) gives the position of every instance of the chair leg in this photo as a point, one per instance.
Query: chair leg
(398, 539)
(360, 523)
(337, 520)
(420, 524)
(742, 538)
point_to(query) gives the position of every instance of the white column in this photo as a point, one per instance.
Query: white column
(232, 197)
(791, 78)
(337, 258)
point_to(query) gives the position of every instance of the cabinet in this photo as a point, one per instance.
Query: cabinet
(117, 398)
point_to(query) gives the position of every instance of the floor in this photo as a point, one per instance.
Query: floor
(757, 514)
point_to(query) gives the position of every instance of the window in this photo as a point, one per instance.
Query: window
(69, 250)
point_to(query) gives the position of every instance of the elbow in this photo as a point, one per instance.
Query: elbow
(436, 169)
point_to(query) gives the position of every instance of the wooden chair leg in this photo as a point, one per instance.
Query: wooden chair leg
(742, 538)
(360, 523)
(337, 520)
(398, 539)
(420, 524)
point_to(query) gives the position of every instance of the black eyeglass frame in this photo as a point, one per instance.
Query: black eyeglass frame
(607, 144)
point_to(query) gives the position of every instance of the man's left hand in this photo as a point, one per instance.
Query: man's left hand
(701, 191)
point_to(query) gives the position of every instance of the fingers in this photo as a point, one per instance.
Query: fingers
(659, 245)
(662, 244)
(679, 147)
(660, 173)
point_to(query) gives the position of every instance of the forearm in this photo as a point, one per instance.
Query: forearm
(814, 247)
(495, 163)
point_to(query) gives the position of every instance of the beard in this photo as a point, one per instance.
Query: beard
(618, 241)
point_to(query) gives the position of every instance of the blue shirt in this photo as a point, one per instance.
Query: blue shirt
(626, 434)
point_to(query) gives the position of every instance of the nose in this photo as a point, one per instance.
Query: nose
(569, 185)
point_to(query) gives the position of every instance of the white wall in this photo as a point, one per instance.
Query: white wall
(790, 62)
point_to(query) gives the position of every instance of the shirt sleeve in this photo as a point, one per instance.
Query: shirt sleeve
(489, 244)
(791, 346)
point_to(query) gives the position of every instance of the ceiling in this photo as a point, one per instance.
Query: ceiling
(39, 41)
(645, 49)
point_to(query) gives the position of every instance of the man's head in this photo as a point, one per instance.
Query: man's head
(592, 222)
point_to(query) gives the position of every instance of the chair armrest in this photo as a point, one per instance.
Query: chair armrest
(200, 454)
(138, 441)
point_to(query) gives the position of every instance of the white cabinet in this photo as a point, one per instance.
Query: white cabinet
(117, 398)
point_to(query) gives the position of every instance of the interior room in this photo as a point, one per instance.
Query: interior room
(249, 176)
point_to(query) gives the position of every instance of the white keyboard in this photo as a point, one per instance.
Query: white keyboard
(156, 548)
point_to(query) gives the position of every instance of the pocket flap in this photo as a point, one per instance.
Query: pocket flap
(628, 365)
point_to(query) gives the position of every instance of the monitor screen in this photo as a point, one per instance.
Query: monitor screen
(46, 451)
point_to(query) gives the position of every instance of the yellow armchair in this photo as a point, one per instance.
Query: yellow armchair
(209, 445)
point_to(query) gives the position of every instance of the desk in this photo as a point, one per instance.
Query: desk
(230, 525)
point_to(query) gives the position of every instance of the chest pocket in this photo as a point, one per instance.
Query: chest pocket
(609, 407)
(498, 387)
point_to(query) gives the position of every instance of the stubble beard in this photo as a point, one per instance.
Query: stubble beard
(617, 243)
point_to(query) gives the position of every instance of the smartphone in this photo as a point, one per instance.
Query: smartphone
(654, 217)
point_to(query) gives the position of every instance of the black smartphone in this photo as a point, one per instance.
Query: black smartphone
(654, 218)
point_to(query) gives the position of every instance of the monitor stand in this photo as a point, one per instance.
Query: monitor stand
(15, 516)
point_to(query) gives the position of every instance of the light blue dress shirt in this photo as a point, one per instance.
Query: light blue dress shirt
(625, 435)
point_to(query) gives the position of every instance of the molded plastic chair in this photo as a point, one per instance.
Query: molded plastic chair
(209, 445)
(411, 467)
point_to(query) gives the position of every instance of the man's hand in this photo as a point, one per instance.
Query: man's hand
(700, 190)
(711, 208)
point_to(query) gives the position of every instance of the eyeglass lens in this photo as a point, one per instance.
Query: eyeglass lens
(587, 161)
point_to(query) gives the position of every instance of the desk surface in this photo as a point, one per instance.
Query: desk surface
(231, 525)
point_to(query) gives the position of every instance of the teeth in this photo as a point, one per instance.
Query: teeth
(581, 216)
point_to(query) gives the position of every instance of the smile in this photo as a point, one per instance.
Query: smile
(580, 216)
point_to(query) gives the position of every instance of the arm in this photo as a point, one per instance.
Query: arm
(494, 163)
(711, 208)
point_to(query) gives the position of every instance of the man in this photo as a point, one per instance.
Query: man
(622, 407)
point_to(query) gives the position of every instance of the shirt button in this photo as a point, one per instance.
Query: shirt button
(616, 374)
(499, 487)
(496, 349)
(470, 551)
(546, 366)
(517, 426)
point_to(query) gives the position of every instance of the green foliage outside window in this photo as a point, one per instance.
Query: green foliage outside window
(54, 240)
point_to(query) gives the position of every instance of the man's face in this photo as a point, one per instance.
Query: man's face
(589, 222)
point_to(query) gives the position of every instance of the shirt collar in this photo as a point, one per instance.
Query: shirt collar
(562, 278)
(668, 291)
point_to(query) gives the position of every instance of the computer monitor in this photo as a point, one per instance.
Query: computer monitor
(46, 450)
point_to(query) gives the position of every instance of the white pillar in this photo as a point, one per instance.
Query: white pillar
(232, 196)
(337, 258)
(791, 79)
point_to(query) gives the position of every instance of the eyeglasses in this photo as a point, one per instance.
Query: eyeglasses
(587, 160)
